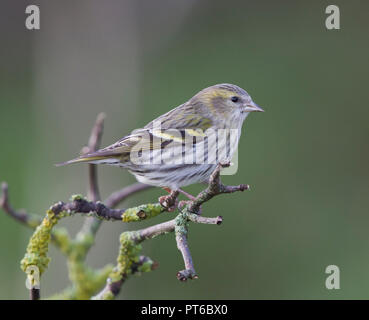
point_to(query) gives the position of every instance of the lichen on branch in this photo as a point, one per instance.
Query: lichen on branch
(38, 246)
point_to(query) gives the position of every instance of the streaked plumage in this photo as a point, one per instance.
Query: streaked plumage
(154, 153)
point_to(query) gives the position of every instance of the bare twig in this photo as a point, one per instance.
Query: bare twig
(96, 133)
(92, 224)
(112, 289)
(93, 144)
(182, 245)
(80, 205)
(21, 216)
(205, 220)
(34, 294)
(215, 188)
(4, 203)
(117, 197)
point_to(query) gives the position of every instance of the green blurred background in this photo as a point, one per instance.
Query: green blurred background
(306, 157)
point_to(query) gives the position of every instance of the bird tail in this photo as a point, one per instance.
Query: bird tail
(93, 158)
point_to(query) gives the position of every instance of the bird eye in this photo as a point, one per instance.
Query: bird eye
(234, 99)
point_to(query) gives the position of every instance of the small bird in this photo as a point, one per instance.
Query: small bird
(184, 145)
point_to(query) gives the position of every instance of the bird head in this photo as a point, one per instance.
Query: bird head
(227, 101)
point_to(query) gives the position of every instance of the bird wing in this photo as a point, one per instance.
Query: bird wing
(185, 116)
(174, 126)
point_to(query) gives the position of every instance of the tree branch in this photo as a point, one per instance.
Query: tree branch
(112, 289)
(117, 197)
(215, 188)
(94, 144)
(23, 217)
(80, 205)
(34, 294)
(92, 224)
(179, 225)
(182, 245)
(86, 281)
(204, 220)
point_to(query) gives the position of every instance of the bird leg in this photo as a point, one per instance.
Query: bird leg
(188, 195)
(171, 201)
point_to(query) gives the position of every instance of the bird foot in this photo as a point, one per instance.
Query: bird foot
(170, 201)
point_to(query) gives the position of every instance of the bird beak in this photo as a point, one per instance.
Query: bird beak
(252, 106)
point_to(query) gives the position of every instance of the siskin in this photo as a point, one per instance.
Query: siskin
(183, 146)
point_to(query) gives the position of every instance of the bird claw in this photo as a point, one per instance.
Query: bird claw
(168, 202)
